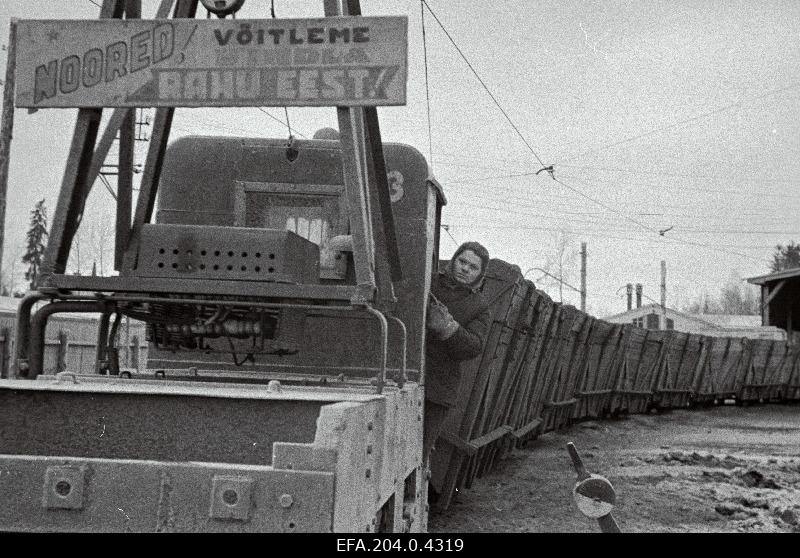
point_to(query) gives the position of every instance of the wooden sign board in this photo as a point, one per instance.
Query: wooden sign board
(335, 61)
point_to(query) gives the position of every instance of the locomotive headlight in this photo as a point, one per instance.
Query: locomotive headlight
(222, 7)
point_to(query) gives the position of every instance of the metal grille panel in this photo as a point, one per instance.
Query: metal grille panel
(226, 253)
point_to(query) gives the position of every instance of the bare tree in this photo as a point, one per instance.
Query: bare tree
(74, 261)
(93, 243)
(560, 262)
(101, 240)
(735, 297)
(10, 280)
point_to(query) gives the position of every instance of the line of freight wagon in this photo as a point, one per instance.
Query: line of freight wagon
(546, 365)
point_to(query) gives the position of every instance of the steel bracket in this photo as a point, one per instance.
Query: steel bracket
(231, 498)
(64, 487)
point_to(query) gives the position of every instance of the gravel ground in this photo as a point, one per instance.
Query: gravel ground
(723, 469)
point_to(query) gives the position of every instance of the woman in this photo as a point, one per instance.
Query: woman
(457, 324)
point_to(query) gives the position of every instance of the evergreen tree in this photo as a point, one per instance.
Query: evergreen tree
(785, 257)
(36, 241)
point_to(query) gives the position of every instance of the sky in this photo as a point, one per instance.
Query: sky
(655, 114)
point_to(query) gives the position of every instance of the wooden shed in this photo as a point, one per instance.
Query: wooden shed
(780, 300)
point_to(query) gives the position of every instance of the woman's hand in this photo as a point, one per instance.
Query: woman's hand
(439, 320)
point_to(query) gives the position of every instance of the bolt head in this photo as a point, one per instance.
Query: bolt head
(286, 500)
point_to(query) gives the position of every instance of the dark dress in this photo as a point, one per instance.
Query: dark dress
(443, 357)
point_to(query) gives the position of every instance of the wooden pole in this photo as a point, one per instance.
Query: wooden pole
(351, 137)
(133, 10)
(162, 124)
(127, 342)
(5, 351)
(583, 277)
(6, 129)
(664, 294)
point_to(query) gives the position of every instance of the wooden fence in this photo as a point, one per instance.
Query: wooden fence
(71, 345)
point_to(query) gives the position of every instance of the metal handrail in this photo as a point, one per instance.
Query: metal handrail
(39, 323)
(104, 300)
(23, 331)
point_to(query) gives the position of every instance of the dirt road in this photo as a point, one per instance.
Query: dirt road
(723, 469)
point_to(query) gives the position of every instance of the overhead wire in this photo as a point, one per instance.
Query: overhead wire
(604, 225)
(447, 230)
(287, 124)
(211, 123)
(516, 202)
(682, 122)
(711, 191)
(524, 201)
(692, 176)
(595, 233)
(105, 182)
(694, 231)
(483, 83)
(285, 108)
(480, 179)
(603, 205)
(578, 191)
(637, 222)
(700, 244)
(516, 129)
(427, 86)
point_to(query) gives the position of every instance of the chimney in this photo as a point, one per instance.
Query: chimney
(638, 295)
(629, 289)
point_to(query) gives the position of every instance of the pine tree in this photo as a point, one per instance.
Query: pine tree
(36, 241)
(785, 257)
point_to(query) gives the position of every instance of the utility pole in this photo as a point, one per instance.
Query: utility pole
(664, 294)
(6, 129)
(583, 277)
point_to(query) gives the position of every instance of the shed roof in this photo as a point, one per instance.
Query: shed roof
(780, 298)
(777, 276)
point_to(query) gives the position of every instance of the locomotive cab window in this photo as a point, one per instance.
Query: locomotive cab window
(314, 211)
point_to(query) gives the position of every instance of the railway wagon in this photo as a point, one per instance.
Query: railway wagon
(275, 399)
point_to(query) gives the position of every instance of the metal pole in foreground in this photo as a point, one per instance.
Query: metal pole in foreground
(593, 494)
(6, 129)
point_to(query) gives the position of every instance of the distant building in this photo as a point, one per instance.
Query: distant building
(780, 300)
(651, 316)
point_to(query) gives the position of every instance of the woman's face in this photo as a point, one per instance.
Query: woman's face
(467, 267)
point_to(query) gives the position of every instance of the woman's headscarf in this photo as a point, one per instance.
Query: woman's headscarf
(479, 251)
